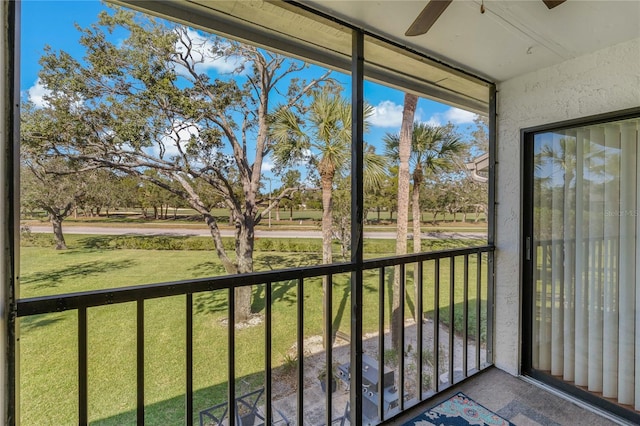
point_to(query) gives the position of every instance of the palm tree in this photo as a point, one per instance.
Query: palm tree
(434, 149)
(321, 138)
(404, 154)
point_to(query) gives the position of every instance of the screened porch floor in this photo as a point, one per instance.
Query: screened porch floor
(517, 400)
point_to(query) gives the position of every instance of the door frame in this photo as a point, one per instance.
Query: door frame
(526, 268)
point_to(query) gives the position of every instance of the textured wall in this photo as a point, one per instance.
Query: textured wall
(604, 81)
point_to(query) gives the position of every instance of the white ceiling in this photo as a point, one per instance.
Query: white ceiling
(511, 38)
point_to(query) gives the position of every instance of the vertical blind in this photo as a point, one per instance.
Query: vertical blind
(585, 257)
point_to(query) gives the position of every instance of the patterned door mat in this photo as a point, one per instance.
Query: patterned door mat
(459, 410)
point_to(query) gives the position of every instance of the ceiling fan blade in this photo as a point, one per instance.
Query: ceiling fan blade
(427, 17)
(553, 3)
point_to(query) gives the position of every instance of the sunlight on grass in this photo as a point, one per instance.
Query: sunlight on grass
(48, 343)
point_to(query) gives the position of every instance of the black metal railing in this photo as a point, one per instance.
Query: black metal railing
(430, 272)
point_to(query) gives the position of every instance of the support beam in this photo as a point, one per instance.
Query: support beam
(357, 212)
(9, 205)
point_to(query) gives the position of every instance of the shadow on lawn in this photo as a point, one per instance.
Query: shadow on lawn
(36, 321)
(216, 301)
(458, 318)
(172, 411)
(135, 241)
(54, 277)
(271, 262)
(207, 269)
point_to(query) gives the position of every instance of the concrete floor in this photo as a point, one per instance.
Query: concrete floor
(517, 400)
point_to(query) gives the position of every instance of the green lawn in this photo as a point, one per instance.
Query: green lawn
(187, 218)
(48, 343)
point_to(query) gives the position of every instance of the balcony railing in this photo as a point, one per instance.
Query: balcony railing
(446, 333)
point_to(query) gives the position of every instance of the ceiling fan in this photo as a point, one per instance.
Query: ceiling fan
(434, 9)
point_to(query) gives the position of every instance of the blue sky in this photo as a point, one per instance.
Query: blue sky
(52, 22)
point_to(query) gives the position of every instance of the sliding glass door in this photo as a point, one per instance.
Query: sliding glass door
(582, 280)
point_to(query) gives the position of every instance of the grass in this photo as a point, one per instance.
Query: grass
(187, 218)
(48, 343)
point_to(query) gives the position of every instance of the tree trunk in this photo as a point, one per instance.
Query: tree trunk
(404, 149)
(417, 235)
(244, 253)
(327, 255)
(56, 222)
(291, 213)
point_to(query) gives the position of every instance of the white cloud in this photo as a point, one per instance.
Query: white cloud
(202, 53)
(179, 135)
(267, 166)
(459, 116)
(37, 92)
(456, 116)
(386, 114)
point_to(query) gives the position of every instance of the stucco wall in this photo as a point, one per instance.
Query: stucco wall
(604, 81)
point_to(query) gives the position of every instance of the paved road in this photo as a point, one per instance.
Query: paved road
(261, 233)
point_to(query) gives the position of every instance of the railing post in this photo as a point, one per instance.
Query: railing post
(465, 316)
(300, 347)
(420, 333)
(82, 367)
(401, 348)
(452, 307)
(478, 310)
(140, 361)
(328, 339)
(436, 324)
(267, 351)
(381, 289)
(188, 416)
(231, 346)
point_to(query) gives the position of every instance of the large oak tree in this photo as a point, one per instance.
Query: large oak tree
(145, 100)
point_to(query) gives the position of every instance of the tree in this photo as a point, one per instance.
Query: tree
(434, 149)
(404, 153)
(49, 187)
(341, 227)
(322, 139)
(292, 179)
(480, 134)
(50, 184)
(147, 102)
